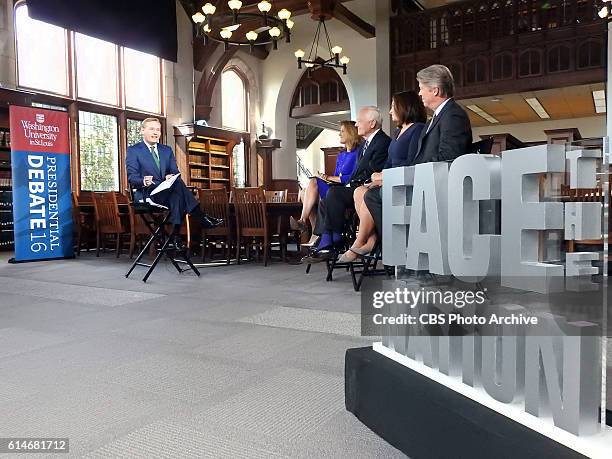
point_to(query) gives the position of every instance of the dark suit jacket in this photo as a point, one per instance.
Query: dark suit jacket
(449, 137)
(139, 162)
(372, 160)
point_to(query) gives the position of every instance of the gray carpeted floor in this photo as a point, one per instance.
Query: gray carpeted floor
(245, 361)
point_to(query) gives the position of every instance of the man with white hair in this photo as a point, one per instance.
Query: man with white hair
(372, 158)
(448, 134)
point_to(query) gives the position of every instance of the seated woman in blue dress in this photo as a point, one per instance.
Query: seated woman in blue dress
(408, 112)
(317, 186)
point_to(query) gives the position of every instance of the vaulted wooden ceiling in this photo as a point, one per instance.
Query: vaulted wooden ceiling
(316, 8)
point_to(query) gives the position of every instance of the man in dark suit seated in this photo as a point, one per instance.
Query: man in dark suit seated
(448, 134)
(148, 164)
(372, 158)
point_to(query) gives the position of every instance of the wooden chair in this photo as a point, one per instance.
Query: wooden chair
(215, 202)
(251, 220)
(280, 225)
(84, 230)
(276, 196)
(292, 197)
(108, 221)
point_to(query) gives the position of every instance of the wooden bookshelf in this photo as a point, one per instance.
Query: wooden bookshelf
(206, 161)
(6, 190)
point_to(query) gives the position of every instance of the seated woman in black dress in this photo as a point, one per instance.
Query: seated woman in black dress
(408, 112)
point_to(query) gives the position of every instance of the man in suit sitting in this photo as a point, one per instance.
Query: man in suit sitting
(149, 163)
(372, 158)
(448, 134)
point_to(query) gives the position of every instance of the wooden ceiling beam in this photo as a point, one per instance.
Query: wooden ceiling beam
(202, 53)
(347, 17)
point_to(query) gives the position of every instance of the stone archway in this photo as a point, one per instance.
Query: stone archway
(319, 103)
(208, 100)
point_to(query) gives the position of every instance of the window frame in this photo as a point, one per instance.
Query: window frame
(247, 107)
(118, 90)
(122, 88)
(74, 104)
(67, 56)
(119, 155)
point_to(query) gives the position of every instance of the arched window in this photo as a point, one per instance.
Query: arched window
(234, 101)
(530, 63)
(475, 71)
(590, 54)
(42, 54)
(502, 67)
(456, 72)
(559, 58)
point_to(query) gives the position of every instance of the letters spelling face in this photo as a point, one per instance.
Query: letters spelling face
(432, 216)
(431, 221)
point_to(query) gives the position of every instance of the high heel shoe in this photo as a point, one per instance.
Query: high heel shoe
(346, 257)
(360, 250)
(297, 225)
(313, 241)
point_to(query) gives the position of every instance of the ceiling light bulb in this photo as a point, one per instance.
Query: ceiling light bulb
(344, 60)
(284, 14)
(251, 36)
(226, 34)
(274, 32)
(337, 49)
(209, 9)
(603, 13)
(290, 24)
(264, 6)
(207, 28)
(299, 53)
(198, 18)
(234, 4)
(309, 65)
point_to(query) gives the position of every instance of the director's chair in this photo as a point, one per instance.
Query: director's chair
(156, 219)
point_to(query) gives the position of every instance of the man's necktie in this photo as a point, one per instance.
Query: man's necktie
(155, 156)
(365, 147)
(430, 123)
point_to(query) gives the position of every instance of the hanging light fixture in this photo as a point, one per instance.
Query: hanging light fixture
(314, 60)
(605, 9)
(232, 26)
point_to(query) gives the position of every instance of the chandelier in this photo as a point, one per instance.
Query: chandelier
(606, 9)
(315, 61)
(234, 27)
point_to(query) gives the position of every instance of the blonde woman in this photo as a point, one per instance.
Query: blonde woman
(318, 186)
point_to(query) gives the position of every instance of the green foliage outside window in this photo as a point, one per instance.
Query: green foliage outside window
(98, 142)
(133, 132)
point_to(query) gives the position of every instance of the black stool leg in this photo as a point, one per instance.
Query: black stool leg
(160, 253)
(155, 234)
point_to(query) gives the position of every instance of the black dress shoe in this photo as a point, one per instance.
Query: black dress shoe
(208, 222)
(176, 244)
(318, 255)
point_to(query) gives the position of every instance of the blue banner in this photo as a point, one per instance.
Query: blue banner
(42, 206)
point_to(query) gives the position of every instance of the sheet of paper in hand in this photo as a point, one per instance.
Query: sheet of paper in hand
(165, 185)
